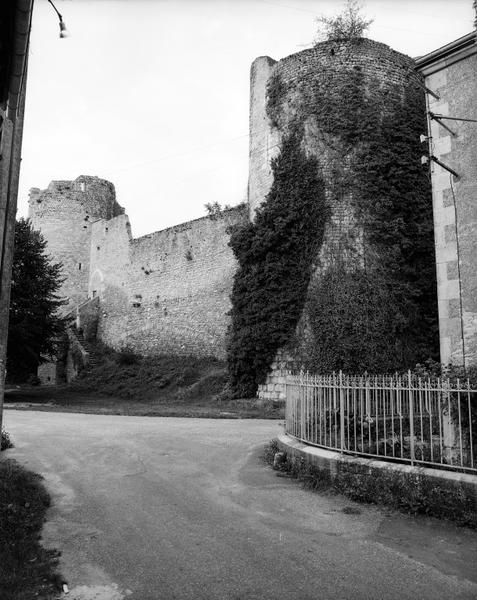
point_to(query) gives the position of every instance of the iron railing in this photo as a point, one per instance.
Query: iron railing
(402, 418)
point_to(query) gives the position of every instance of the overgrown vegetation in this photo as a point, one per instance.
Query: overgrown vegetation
(347, 25)
(215, 209)
(369, 303)
(27, 570)
(5, 441)
(35, 327)
(413, 493)
(125, 374)
(275, 255)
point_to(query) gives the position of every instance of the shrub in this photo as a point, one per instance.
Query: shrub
(6, 442)
(347, 25)
(275, 255)
(127, 357)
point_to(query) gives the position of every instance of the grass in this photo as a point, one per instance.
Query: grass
(27, 570)
(124, 383)
(413, 493)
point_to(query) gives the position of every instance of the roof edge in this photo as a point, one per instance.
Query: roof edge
(463, 43)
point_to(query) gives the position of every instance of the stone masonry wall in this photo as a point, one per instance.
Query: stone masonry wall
(454, 80)
(264, 139)
(167, 291)
(64, 213)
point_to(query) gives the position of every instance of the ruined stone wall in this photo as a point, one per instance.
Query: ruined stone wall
(64, 213)
(264, 138)
(453, 78)
(167, 291)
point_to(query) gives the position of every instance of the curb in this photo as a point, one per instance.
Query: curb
(333, 462)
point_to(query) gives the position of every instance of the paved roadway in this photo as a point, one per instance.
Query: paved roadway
(168, 508)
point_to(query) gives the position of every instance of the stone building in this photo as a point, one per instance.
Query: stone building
(166, 292)
(450, 75)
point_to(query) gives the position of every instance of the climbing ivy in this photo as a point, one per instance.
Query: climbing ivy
(378, 312)
(275, 255)
(370, 303)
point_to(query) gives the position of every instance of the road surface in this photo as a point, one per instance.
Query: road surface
(169, 508)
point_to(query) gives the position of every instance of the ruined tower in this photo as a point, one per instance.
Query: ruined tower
(64, 213)
(358, 108)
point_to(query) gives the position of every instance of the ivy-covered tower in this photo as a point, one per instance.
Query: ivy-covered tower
(348, 114)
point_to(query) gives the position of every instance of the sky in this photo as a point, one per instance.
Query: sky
(153, 95)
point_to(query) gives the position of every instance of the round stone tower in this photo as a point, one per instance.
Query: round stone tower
(64, 213)
(357, 108)
(326, 90)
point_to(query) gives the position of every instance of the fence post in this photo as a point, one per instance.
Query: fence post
(411, 416)
(449, 428)
(342, 416)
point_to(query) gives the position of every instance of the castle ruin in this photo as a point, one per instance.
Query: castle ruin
(169, 291)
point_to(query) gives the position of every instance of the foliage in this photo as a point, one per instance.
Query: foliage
(127, 357)
(214, 209)
(347, 25)
(6, 441)
(413, 493)
(369, 301)
(35, 326)
(275, 255)
(27, 570)
(125, 374)
(374, 307)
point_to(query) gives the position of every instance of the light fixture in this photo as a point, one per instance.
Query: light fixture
(63, 31)
(424, 138)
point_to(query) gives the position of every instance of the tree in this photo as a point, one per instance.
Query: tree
(347, 25)
(35, 325)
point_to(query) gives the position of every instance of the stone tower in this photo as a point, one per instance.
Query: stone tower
(295, 85)
(64, 213)
(358, 108)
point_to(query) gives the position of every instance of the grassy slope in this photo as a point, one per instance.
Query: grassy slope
(27, 570)
(121, 383)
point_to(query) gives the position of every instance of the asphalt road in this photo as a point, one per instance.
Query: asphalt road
(168, 508)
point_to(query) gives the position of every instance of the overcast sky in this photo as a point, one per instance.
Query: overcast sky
(153, 95)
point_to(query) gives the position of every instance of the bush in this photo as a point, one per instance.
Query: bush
(347, 25)
(275, 256)
(127, 357)
(33, 379)
(6, 442)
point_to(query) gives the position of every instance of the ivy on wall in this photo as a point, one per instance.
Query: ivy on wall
(379, 311)
(275, 255)
(371, 305)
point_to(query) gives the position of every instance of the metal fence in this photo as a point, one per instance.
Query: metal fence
(431, 422)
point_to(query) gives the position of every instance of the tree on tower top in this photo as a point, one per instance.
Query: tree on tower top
(347, 25)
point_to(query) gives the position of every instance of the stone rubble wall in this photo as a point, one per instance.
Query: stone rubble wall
(166, 292)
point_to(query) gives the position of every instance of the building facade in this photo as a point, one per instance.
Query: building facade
(451, 78)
